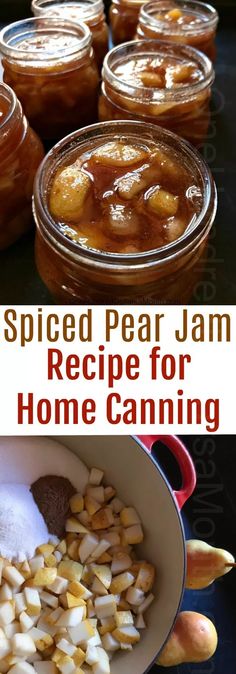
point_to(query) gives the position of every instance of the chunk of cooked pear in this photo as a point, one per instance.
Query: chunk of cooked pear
(69, 191)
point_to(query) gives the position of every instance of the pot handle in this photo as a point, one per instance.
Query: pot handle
(182, 457)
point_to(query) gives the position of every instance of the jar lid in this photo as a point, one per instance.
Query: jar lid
(72, 10)
(204, 16)
(44, 39)
(143, 49)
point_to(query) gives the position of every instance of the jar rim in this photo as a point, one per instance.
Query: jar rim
(90, 7)
(13, 101)
(209, 14)
(158, 47)
(43, 25)
(173, 250)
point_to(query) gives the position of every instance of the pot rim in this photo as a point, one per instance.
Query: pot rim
(149, 456)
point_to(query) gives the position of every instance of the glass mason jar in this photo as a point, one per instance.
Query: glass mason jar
(21, 152)
(90, 12)
(123, 19)
(183, 109)
(50, 65)
(80, 275)
(186, 21)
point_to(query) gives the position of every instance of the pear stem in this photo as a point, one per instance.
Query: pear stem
(231, 564)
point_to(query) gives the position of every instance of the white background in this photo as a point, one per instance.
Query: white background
(211, 374)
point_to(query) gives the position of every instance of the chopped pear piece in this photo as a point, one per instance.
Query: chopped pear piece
(87, 546)
(79, 590)
(145, 577)
(13, 576)
(134, 535)
(32, 601)
(6, 593)
(77, 503)
(163, 203)
(66, 665)
(22, 668)
(72, 601)
(82, 632)
(45, 576)
(117, 505)
(152, 79)
(127, 634)
(71, 618)
(98, 588)
(103, 665)
(121, 562)
(66, 647)
(74, 525)
(7, 613)
(70, 570)
(103, 519)
(60, 585)
(91, 655)
(145, 604)
(97, 493)
(5, 647)
(36, 563)
(103, 573)
(45, 667)
(139, 622)
(45, 549)
(96, 476)
(117, 153)
(122, 582)
(129, 517)
(102, 547)
(20, 603)
(110, 643)
(123, 618)
(134, 596)
(23, 645)
(69, 191)
(123, 221)
(26, 622)
(49, 599)
(174, 14)
(105, 606)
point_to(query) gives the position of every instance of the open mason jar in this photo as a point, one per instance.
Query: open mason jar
(188, 22)
(90, 12)
(50, 65)
(158, 82)
(123, 15)
(21, 152)
(124, 249)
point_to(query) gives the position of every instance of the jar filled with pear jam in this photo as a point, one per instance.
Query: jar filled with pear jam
(123, 212)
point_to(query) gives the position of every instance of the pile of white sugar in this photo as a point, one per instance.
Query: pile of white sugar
(22, 527)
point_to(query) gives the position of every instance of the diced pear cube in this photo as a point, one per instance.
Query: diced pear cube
(72, 601)
(163, 203)
(6, 593)
(32, 601)
(100, 549)
(7, 612)
(60, 585)
(45, 549)
(107, 625)
(58, 556)
(105, 558)
(71, 618)
(129, 516)
(36, 563)
(134, 535)
(70, 570)
(134, 596)
(69, 191)
(45, 667)
(12, 629)
(103, 664)
(49, 599)
(116, 505)
(22, 668)
(13, 576)
(112, 537)
(83, 632)
(26, 622)
(53, 616)
(174, 14)
(91, 505)
(110, 643)
(96, 476)
(84, 518)
(103, 573)
(91, 655)
(103, 519)
(127, 634)
(121, 562)
(122, 582)
(87, 546)
(145, 578)
(5, 647)
(51, 561)
(124, 618)
(78, 657)
(77, 503)
(23, 645)
(79, 590)
(66, 647)
(96, 639)
(97, 493)
(98, 588)
(109, 492)
(25, 569)
(62, 547)
(74, 525)
(117, 153)
(20, 603)
(146, 603)
(66, 665)
(105, 606)
(45, 576)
